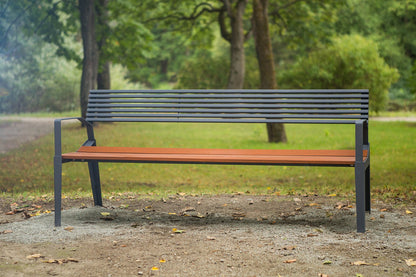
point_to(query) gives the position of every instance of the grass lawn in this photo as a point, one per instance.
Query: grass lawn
(29, 169)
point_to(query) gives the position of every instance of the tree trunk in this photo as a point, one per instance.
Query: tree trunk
(275, 131)
(89, 43)
(237, 62)
(103, 75)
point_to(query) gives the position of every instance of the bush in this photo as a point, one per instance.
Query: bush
(350, 62)
(38, 82)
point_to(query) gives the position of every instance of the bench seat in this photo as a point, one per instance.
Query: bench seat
(214, 156)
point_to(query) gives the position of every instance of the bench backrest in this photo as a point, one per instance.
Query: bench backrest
(227, 106)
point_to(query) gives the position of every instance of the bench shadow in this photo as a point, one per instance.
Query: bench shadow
(312, 220)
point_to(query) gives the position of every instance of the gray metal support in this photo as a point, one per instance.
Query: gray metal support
(360, 191)
(57, 165)
(95, 182)
(367, 189)
(360, 196)
(57, 189)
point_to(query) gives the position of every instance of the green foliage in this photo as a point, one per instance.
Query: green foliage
(205, 71)
(40, 81)
(388, 23)
(349, 62)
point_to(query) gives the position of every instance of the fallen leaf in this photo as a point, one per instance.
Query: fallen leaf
(7, 231)
(383, 210)
(60, 261)
(171, 213)
(69, 228)
(10, 213)
(35, 256)
(313, 204)
(332, 195)
(211, 238)
(312, 235)
(162, 261)
(290, 261)
(322, 275)
(327, 262)
(105, 214)
(238, 215)
(408, 212)
(155, 268)
(359, 263)
(289, 248)
(410, 262)
(188, 209)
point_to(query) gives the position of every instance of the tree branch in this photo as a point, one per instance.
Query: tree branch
(5, 35)
(5, 8)
(223, 28)
(193, 16)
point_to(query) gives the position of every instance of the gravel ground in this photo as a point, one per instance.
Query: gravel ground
(222, 235)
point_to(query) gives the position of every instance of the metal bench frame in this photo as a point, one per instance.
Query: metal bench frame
(334, 106)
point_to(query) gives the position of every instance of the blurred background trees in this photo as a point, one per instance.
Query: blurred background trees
(203, 44)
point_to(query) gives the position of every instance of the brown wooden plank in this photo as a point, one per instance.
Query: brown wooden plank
(218, 157)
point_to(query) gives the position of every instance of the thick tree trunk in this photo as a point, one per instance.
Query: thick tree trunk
(275, 131)
(237, 62)
(103, 75)
(90, 61)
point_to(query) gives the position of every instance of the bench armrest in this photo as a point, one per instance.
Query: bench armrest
(58, 133)
(361, 140)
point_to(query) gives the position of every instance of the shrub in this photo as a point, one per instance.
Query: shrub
(350, 62)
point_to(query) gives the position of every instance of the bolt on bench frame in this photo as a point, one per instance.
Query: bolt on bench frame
(332, 106)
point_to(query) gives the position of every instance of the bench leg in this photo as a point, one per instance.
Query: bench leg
(57, 189)
(95, 183)
(367, 190)
(360, 195)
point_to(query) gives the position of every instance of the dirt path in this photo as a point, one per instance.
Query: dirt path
(223, 235)
(15, 131)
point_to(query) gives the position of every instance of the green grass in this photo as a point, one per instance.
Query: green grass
(395, 114)
(29, 170)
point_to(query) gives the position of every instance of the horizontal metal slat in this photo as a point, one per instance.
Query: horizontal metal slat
(229, 105)
(218, 101)
(225, 96)
(202, 120)
(314, 111)
(242, 91)
(216, 115)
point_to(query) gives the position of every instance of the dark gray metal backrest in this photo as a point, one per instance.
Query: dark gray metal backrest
(245, 106)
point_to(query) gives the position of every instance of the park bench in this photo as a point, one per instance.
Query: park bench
(331, 106)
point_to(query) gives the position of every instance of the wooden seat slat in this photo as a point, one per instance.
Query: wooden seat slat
(250, 156)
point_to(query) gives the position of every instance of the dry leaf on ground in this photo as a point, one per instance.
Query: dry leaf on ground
(410, 262)
(360, 263)
(35, 256)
